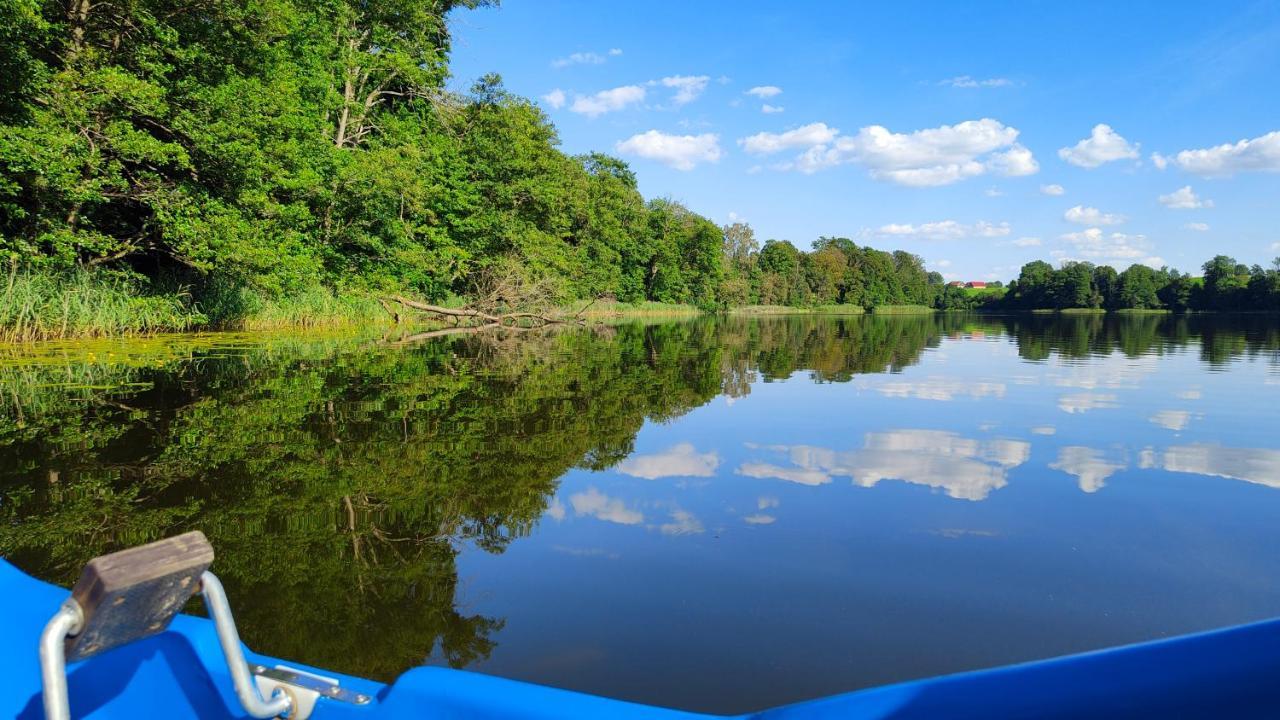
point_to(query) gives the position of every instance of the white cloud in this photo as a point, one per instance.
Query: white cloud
(759, 519)
(555, 99)
(943, 263)
(1044, 430)
(1160, 161)
(1054, 189)
(945, 230)
(936, 156)
(924, 158)
(1096, 246)
(964, 468)
(615, 52)
(583, 58)
(682, 522)
(687, 87)
(1087, 465)
(796, 475)
(598, 505)
(1091, 216)
(768, 109)
(1255, 465)
(556, 510)
(764, 502)
(1261, 154)
(993, 192)
(1197, 226)
(964, 81)
(1084, 402)
(607, 100)
(766, 143)
(1027, 242)
(1103, 145)
(682, 152)
(1171, 419)
(1014, 162)
(765, 91)
(939, 388)
(1184, 198)
(681, 460)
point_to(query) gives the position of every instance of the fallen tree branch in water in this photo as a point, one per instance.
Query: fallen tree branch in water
(511, 320)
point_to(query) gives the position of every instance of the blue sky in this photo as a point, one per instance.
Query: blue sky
(978, 135)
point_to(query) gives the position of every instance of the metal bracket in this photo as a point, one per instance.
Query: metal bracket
(133, 594)
(304, 688)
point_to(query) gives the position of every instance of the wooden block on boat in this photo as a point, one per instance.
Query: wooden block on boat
(128, 595)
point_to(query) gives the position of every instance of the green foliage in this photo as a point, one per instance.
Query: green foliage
(263, 154)
(1226, 286)
(39, 305)
(902, 309)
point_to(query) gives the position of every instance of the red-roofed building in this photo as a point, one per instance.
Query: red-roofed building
(976, 284)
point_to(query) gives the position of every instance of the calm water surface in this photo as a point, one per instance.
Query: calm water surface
(713, 514)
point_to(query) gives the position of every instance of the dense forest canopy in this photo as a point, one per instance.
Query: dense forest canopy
(1226, 286)
(208, 158)
(276, 146)
(235, 152)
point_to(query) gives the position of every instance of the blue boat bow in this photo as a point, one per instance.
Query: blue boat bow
(181, 672)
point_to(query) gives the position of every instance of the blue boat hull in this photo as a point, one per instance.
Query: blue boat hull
(1233, 672)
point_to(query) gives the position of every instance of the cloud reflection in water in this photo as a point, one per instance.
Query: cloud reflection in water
(965, 468)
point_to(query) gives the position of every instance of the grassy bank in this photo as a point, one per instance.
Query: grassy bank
(43, 306)
(902, 310)
(613, 308)
(38, 306)
(787, 310)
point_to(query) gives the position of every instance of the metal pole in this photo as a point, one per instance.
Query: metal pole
(215, 599)
(53, 659)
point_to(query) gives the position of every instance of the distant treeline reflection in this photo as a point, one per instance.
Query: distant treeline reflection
(338, 479)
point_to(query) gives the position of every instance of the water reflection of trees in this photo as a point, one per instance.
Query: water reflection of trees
(338, 480)
(337, 483)
(1219, 338)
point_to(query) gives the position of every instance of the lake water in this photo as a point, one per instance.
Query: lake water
(714, 514)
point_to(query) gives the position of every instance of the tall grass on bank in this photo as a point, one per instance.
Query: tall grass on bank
(312, 308)
(232, 306)
(606, 308)
(43, 305)
(846, 309)
(902, 310)
(38, 305)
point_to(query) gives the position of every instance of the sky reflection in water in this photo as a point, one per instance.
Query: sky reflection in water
(976, 508)
(717, 515)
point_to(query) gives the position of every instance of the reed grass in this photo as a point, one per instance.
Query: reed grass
(605, 308)
(902, 310)
(38, 305)
(789, 310)
(313, 308)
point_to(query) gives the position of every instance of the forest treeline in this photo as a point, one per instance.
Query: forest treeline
(169, 165)
(214, 157)
(1226, 285)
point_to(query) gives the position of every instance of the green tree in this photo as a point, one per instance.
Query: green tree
(1139, 286)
